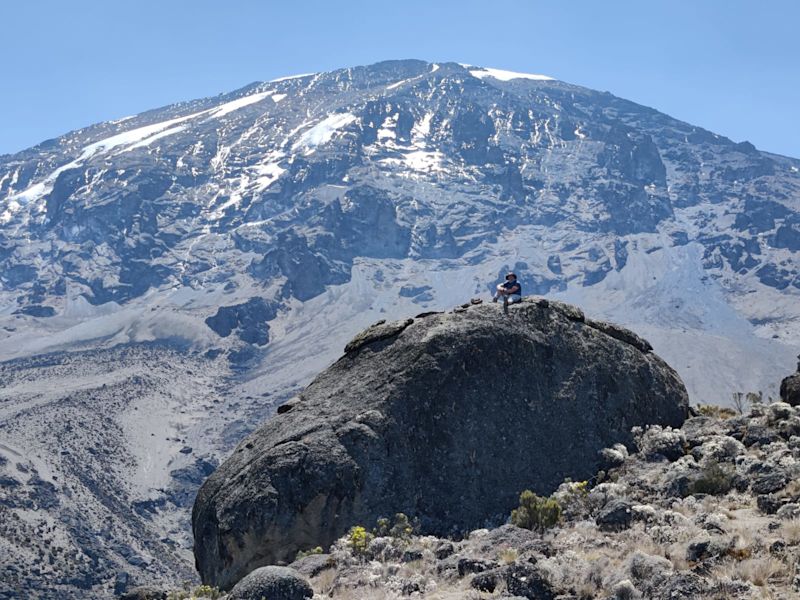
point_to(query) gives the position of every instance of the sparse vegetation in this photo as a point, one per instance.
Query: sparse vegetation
(402, 528)
(201, 591)
(715, 479)
(535, 512)
(358, 539)
(508, 556)
(717, 412)
(304, 553)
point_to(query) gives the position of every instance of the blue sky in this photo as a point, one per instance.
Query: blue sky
(731, 66)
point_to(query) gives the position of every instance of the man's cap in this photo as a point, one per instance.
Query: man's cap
(514, 275)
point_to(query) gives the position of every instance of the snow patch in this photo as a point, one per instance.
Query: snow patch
(421, 129)
(229, 107)
(323, 132)
(288, 77)
(501, 75)
(267, 174)
(387, 130)
(419, 161)
(157, 136)
(278, 97)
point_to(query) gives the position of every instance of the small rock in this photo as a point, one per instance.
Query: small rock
(691, 585)
(616, 515)
(413, 585)
(779, 411)
(487, 581)
(703, 548)
(474, 565)
(275, 583)
(698, 550)
(411, 556)
(644, 513)
(645, 569)
(611, 458)
(656, 442)
(625, 590)
(788, 511)
(778, 547)
(719, 448)
(769, 482)
(759, 434)
(528, 581)
(444, 550)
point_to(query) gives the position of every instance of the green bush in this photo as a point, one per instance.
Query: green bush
(714, 479)
(535, 512)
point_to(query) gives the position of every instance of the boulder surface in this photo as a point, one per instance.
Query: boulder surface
(446, 417)
(272, 583)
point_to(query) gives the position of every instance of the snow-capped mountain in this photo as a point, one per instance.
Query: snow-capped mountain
(166, 278)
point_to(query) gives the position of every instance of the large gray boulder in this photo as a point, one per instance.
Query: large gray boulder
(446, 417)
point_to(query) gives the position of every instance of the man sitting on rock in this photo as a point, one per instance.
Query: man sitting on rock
(510, 290)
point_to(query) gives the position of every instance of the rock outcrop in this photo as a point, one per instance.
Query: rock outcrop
(445, 418)
(790, 388)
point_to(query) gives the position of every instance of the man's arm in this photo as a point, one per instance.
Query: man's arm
(514, 289)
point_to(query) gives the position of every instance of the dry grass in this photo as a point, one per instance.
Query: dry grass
(792, 490)
(759, 571)
(508, 556)
(324, 582)
(415, 567)
(718, 412)
(790, 532)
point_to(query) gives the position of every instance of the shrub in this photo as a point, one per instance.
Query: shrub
(401, 529)
(508, 556)
(714, 479)
(535, 512)
(358, 539)
(304, 553)
(717, 412)
(572, 496)
(201, 591)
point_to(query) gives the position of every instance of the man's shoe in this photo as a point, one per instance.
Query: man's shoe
(494, 299)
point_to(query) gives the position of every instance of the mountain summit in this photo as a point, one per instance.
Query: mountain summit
(166, 279)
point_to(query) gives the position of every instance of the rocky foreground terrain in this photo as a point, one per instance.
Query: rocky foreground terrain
(708, 510)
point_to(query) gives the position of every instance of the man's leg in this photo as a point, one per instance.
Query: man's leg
(514, 298)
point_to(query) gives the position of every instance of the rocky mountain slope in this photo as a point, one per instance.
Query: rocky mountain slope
(445, 418)
(246, 238)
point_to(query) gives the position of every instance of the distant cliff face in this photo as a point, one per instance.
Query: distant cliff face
(445, 418)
